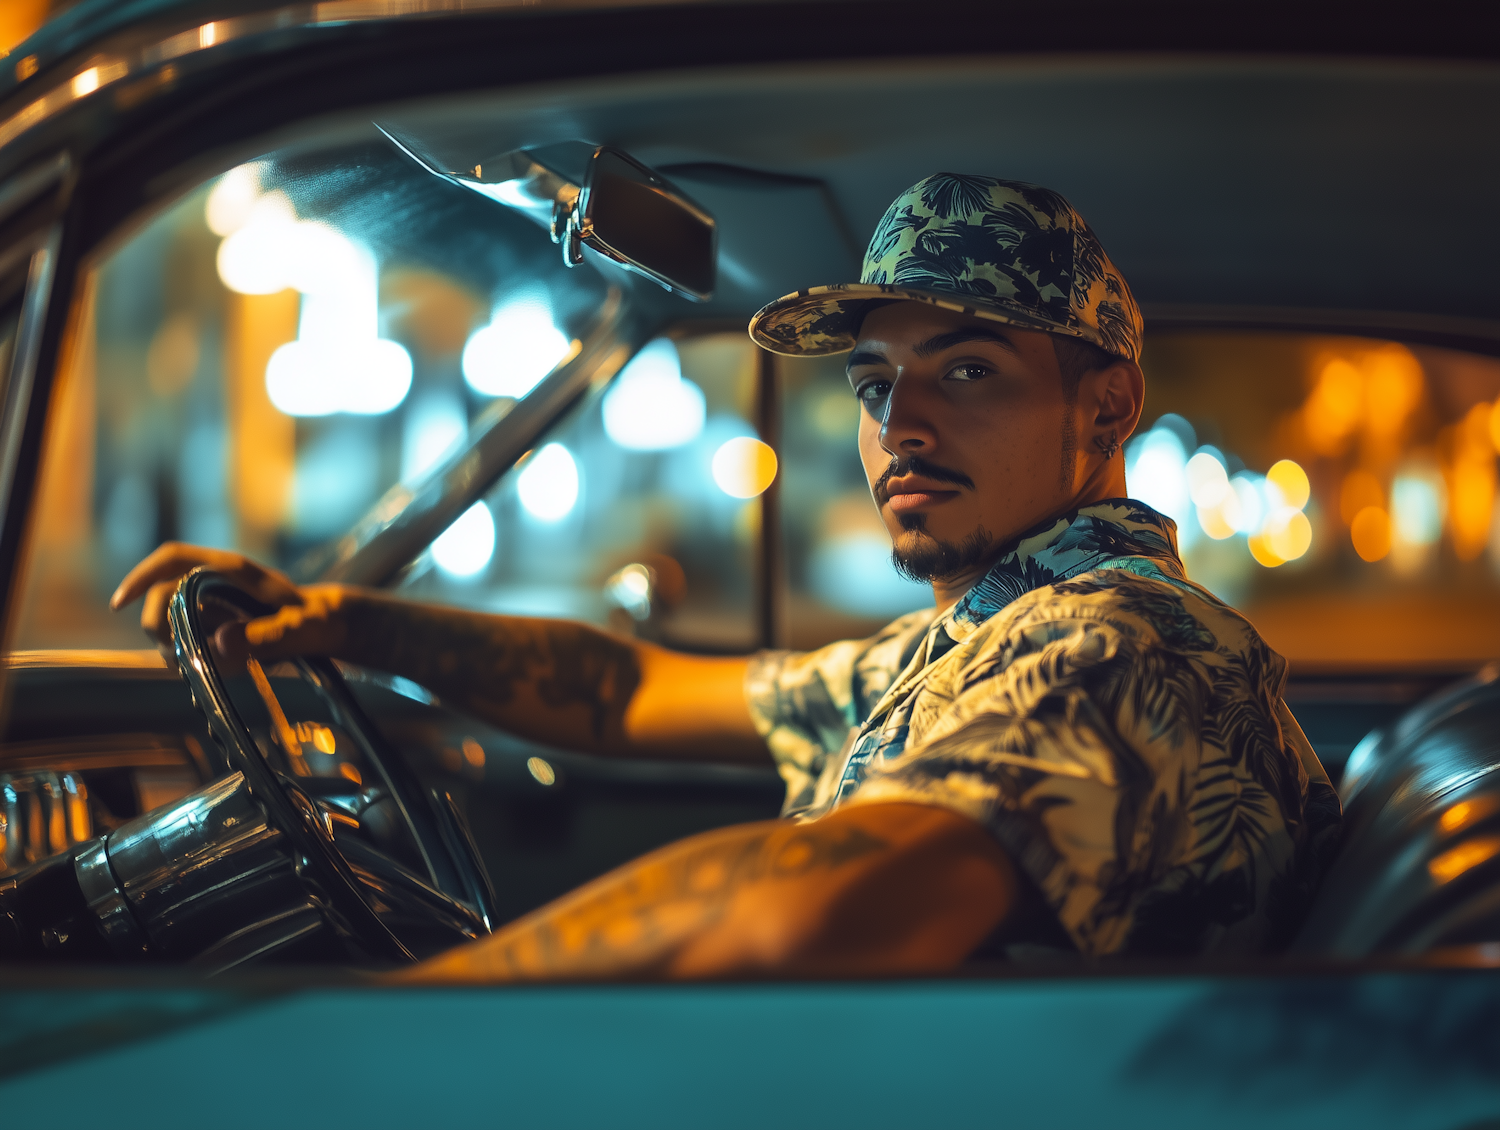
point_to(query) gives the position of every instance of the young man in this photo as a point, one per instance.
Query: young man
(1076, 749)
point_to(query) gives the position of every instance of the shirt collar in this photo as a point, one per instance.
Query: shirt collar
(1091, 537)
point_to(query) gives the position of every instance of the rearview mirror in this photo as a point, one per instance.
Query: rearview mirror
(607, 200)
(635, 216)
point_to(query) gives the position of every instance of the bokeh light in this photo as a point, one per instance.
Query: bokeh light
(1370, 531)
(651, 407)
(465, 548)
(520, 346)
(1265, 509)
(233, 198)
(1291, 481)
(744, 467)
(1156, 470)
(548, 484)
(1417, 506)
(1288, 533)
(339, 362)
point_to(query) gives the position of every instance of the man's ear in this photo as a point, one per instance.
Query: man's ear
(1116, 396)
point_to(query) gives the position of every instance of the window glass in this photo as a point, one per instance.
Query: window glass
(639, 512)
(260, 363)
(1340, 491)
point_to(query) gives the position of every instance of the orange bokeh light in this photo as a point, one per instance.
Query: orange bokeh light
(1471, 502)
(1393, 388)
(1260, 549)
(1371, 533)
(1333, 410)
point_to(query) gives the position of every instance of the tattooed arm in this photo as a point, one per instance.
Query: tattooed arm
(869, 889)
(552, 680)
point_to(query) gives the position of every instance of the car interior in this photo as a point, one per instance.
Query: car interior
(489, 349)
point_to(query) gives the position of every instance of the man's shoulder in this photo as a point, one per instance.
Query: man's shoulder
(1135, 599)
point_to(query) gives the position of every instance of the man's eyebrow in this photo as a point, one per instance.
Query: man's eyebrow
(864, 357)
(958, 337)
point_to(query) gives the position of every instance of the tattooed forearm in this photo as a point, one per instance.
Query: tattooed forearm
(550, 678)
(638, 919)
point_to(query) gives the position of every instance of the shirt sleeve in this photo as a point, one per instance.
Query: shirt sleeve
(804, 703)
(1093, 757)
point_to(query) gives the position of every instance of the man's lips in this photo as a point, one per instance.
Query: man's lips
(913, 495)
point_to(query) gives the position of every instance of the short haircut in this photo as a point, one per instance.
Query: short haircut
(1076, 357)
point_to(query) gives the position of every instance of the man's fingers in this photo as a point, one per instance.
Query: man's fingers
(166, 562)
(154, 612)
(173, 560)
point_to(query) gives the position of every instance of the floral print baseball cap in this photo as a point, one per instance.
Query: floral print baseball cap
(995, 249)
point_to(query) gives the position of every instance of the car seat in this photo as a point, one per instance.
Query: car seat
(1419, 863)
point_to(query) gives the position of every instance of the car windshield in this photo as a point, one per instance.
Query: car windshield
(265, 360)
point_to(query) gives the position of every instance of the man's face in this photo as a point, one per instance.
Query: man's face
(964, 433)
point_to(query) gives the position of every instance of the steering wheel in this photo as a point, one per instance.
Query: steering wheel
(419, 887)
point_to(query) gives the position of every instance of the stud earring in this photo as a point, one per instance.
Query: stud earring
(1107, 446)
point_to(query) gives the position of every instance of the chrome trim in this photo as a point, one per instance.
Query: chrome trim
(404, 523)
(31, 182)
(325, 868)
(184, 869)
(44, 811)
(102, 891)
(22, 376)
(321, 871)
(102, 71)
(251, 943)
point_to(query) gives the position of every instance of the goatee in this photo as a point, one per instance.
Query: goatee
(924, 558)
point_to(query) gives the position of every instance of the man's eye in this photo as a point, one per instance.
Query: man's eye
(874, 391)
(968, 372)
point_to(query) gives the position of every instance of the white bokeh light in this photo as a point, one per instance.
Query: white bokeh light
(1252, 511)
(651, 407)
(339, 362)
(465, 548)
(232, 199)
(520, 346)
(548, 484)
(256, 257)
(1157, 474)
(1417, 507)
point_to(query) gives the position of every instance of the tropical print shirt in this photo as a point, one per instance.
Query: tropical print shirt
(1118, 729)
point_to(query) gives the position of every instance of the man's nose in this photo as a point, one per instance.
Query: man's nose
(907, 428)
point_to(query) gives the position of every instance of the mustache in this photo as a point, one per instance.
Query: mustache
(916, 465)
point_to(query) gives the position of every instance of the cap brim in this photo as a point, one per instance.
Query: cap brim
(824, 320)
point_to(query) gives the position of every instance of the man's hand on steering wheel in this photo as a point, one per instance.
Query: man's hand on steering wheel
(308, 620)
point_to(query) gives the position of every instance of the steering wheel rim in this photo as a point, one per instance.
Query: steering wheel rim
(451, 859)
